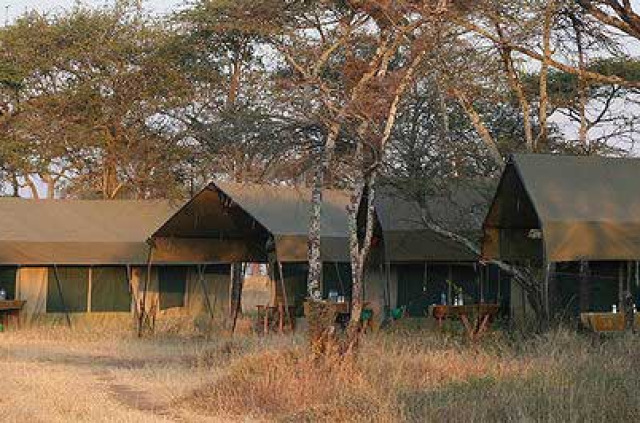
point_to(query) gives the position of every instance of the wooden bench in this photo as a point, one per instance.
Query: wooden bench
(283, 316)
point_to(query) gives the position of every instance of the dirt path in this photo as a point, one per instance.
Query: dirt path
(60, 382)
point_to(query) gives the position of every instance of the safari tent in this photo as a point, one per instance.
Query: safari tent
(254, 223)
(578, 218)
(248, 223)
(79, 257)
(419, 264)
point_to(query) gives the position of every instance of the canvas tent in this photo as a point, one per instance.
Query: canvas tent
(74, 256)
(586, 207)
(419, 263)
(244, 223)
(562, 210)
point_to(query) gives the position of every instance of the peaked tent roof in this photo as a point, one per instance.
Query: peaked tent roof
(280, 211)
(82, 232)
(286, 210)
(588, 208)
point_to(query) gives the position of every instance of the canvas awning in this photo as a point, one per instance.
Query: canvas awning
(45, 232)
(406, 235)
(239, 220)
(582, 208)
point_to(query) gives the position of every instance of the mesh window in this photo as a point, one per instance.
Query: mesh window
(418, 287)
(173, 284)
(335, 276)
(110, 289)
(8, 280)
(74, 283)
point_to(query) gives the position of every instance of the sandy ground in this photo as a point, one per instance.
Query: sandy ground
(55, 375)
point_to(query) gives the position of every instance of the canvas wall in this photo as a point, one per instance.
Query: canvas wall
(105, 291)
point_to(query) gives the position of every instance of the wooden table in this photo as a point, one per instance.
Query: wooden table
(474, 317)
(10, 311)
(265, 312)
(607, 322)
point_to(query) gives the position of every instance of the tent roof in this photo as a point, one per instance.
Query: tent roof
(587, 207)
(406, 236)
(287, 210)
(280, 211)
(39, 232)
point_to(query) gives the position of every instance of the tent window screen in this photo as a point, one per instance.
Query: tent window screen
(8, 280)
(110, 289)
(71, 294)
(173, 284)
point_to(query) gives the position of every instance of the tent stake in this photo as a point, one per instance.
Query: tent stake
(64, 305)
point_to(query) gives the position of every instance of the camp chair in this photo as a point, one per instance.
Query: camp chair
(399, 312)
(366, 319)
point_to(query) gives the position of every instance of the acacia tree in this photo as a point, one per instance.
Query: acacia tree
(96, 83)
(355, 59)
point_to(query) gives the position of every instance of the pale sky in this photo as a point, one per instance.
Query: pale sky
(9, 9)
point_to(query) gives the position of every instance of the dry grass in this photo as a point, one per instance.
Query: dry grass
(105, 373)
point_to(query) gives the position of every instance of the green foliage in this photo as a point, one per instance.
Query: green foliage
(92, 84)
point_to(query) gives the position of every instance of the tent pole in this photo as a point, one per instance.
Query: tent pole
(385, 305)
(201, 272)
(621, 287)
(147, 282)
(545, 292)
(64, 305)
(450, 283)
(284, 292)
(387, 276)
(131, 291)
(424, 276)
(237, 279)
(335, 263)
(479, 275)
(90, 289)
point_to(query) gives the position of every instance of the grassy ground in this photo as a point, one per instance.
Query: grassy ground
(51, 374)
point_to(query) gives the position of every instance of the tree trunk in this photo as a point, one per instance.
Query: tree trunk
(583, 130)
(359, 248)
(480, 128)
(15, 184)
(544, 75)
(235, 300)
(32, 187)
(234, 83)
(315, 223)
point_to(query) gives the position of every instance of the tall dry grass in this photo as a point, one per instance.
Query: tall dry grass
(101, 371)
(418, 375)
